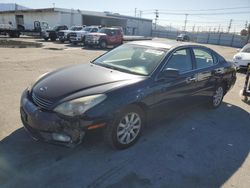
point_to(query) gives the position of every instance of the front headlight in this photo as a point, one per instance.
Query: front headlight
(237, 57)
(79, 106)
(96, 37)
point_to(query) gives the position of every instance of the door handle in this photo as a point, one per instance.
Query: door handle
(219, 71)
(190, 79)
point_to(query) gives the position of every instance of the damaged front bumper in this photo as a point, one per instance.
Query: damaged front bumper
(50, 127)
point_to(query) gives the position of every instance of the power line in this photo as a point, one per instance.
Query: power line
(210, 14)
(200, 10)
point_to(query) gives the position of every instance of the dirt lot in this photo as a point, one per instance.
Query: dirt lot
(197, 148)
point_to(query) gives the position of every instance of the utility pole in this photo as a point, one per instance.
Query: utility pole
(248, 35)
(156, 17)
(230, 25)
(219, 29)
(246, 24)
(135, 11)
(185, 22)
(140, 13)
(193, 28)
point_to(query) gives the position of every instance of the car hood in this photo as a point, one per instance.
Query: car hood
(66, 31)
(84, 32)
(99, 34)
(243, 55)
(86, 79)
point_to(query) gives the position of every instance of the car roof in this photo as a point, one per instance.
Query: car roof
(163, 45)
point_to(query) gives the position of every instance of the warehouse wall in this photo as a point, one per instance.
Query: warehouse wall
(70, 19)
(139, 27)
(5, 18)
(52, 18)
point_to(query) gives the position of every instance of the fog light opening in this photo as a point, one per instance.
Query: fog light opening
(61, 137)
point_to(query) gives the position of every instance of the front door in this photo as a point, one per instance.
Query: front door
(173, 94)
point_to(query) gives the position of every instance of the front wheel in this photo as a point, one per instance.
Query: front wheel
(126, 128)
(103, 44)
(217, 97)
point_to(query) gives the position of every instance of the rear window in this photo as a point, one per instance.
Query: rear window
(203, 58)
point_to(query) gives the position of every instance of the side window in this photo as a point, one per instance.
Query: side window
(181, 60)
(203, 58)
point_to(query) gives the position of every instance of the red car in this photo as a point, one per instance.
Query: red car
(106, 36)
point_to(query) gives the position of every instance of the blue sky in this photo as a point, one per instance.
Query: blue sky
(165, 7)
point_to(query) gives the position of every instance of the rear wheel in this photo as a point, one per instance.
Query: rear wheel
(217, 97)
(53, 38)
(126, 128)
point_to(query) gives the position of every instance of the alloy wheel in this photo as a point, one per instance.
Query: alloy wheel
(128, 128)
(218, 96)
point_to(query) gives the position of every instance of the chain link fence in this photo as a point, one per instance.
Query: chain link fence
(224, 39)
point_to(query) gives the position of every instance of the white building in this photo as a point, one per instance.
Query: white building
(57, 16)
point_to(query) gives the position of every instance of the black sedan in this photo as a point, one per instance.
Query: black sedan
(121, 89)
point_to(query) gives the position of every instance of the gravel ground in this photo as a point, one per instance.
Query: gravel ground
(195, 148)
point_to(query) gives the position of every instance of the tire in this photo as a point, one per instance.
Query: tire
(217, 97)
(103, 44)
(62, 41)
(53, 38)
(126, 128)
(46, 39)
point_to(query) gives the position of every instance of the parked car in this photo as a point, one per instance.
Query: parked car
(242, 58)
(79, 36)
(183, 37)
(119, 90)
(106, 36)
(64, 35)
(52, 33)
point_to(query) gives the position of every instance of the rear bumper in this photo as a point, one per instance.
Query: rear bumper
(50, 127)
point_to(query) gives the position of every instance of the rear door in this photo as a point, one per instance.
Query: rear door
(207, 70)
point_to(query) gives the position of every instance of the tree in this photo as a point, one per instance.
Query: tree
(243, 32)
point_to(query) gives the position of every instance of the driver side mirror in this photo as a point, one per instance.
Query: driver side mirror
(169, 73)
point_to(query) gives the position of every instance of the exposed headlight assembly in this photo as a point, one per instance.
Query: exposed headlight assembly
(79, 106)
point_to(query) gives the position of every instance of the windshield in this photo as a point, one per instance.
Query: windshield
(75, 28)
(246, 49)
(103, 30)
(132, 59)
(87, 28)
(55, 27)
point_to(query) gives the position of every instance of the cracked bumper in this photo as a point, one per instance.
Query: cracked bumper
(48, 125)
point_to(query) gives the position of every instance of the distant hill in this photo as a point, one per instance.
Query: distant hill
(164, 28)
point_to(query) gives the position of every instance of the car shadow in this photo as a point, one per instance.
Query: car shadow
(195, 148)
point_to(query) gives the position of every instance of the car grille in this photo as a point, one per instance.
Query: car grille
(42, 103)
(72, 34)
(88, 37)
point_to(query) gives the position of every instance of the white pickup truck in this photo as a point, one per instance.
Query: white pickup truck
(63, 35)
(79, 36)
